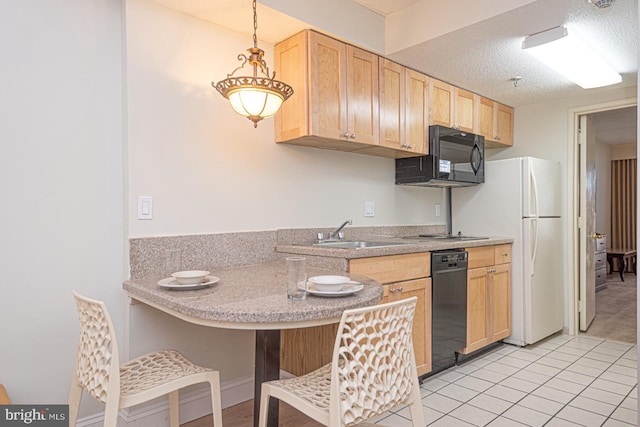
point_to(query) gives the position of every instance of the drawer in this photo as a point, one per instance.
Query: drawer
(601, 244)
(601, 260)
(482, 256)
(502, 254)
(601, 276)
(393, 268)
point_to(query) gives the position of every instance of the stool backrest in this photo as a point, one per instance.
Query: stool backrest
(97, 363)
(374, 365)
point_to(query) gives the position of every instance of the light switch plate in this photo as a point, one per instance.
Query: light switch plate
(369, 209)
(145, 207)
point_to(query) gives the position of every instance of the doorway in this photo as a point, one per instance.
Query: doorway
(596, 133)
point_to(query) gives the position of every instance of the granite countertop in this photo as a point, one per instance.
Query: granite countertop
(405, 246)
(252, 297)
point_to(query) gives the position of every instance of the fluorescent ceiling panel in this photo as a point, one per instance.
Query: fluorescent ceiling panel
(571, 57)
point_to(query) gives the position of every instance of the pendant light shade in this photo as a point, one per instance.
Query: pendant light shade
(258, 96)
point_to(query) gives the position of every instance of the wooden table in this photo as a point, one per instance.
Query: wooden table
(254, 298)
(621, 255)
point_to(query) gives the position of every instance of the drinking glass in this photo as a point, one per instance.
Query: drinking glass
(296, 278)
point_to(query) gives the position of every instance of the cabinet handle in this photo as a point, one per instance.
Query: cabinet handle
(353, 135)
(410, 146)
(392, 290)
(400, 289)
(346, 135)
(505, 254)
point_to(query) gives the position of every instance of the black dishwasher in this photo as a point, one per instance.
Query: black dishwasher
(449, 307)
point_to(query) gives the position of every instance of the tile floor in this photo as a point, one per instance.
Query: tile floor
(561, 381)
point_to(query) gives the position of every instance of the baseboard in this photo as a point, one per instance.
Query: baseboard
(195, 403)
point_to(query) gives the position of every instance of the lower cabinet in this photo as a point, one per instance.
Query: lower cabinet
(488, 296)
(420, 288)
(403, 276)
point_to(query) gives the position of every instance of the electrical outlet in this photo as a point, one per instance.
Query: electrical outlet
(437, 209)
(369, 209)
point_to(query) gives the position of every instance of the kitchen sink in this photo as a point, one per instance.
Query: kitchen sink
(346, 244)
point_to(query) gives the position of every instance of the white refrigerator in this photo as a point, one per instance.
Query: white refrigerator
(521, 198)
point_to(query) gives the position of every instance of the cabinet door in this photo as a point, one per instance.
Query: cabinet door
(500, 282)
(504, 124)
(416, 117)
(441, 99)
(362, 96)
(328, 86)
(486, 118)
(290, 63)
(477, 310)
(464, 107)
(420, 288)
(392, 104)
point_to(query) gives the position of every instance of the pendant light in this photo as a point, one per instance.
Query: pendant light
(256, 96)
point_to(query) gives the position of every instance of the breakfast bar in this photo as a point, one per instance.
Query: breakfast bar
(254, 298)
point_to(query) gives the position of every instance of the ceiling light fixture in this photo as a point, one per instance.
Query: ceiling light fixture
(571, 57)
(255, 97)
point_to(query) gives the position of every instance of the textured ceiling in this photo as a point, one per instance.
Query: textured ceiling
(484, 57)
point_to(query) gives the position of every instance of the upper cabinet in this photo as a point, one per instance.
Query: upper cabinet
(336, 91)
(403, 108)
(495, 122)
(451, 106)
(346, 98)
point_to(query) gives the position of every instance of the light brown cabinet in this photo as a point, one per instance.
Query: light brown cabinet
(349, 99)
(441, 99)
(402, 276)
(403, 108)
(488, 296)
(405, 276)
(336, 93)
(451, 106)
(495, 122)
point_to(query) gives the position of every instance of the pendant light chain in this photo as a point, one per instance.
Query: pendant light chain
(255, 25)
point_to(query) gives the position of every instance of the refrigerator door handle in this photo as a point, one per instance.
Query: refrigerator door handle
(534, 188)
(534, 223)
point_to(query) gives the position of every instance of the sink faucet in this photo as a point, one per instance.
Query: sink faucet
(333, 234)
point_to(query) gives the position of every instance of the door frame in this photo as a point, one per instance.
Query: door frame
(573, 201)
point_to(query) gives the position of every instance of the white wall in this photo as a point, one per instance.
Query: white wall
(62, 184)
(209, 170)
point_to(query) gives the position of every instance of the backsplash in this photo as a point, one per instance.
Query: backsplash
(158, 257)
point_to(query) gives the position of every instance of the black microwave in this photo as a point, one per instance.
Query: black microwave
(455, 159)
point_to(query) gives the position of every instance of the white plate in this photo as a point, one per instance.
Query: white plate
(349, 288)
(171, 283)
